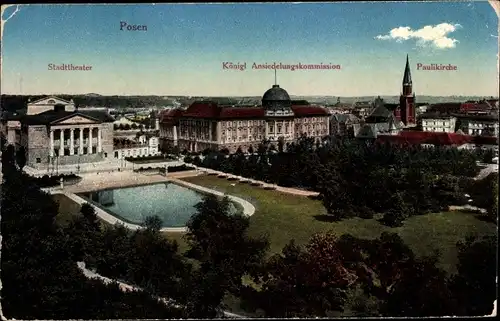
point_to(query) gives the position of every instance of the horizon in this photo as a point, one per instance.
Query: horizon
(185, 48)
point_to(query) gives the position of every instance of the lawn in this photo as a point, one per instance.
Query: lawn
(67, 209)
(283, 217)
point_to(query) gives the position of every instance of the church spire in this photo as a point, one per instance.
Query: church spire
(407, 75)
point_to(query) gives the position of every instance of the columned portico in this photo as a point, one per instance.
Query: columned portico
(74, 142)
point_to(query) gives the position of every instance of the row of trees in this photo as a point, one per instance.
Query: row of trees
(132, 127)
(359, 179)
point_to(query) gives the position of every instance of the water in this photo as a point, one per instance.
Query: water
(172, 203)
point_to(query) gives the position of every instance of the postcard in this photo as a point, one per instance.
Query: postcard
(249, 160)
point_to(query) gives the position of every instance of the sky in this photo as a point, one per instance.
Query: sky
(185, 46)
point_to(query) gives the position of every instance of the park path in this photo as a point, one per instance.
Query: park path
(124, 287)
(288, 190)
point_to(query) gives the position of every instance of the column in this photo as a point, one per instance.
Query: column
(80, 146)
(61, 144)
(275, 129)
(71, 141)
(99, 142)
(89, 145)
(51, 148)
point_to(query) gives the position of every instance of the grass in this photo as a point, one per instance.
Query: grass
(283, 217)
(68, 209)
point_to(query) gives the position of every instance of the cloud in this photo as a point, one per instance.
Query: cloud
(435, 36)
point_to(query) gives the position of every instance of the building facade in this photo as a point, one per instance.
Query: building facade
(479, 124)
(210, 125)
(438, 123)
(144, 145)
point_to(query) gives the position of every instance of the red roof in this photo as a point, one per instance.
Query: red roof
(242, 112)
(474, 107)
(431, 138)
(445, 107)
(170, 116)
(309, 111)
(484, 140)
(214, 111)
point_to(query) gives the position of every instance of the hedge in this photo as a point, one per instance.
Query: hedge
(55, 180)
(155, 157)
(180, 168)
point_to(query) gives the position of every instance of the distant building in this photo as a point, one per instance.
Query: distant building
(343, 124)
(433, 139)
(211, 125)
(10, 128)
(144, 145)
(478, 124)
(435, 122)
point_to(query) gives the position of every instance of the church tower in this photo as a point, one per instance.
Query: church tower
(407, 98)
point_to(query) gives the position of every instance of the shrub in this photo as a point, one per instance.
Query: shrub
(184, 167)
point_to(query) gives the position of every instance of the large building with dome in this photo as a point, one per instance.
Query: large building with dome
(207, 124)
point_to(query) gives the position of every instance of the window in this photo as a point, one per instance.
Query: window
(38, 160)
(116, 154)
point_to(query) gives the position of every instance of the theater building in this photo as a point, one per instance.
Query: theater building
(54, 132)
(206, 124)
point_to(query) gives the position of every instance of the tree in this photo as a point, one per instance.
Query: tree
(281, 144)
(188, 159)
(474, 286)
(90, 216)
(395, 216)
(421, 291)
(134, 126)
(8, 161)
(310, 281)
(493, 208)
(3, 141)
(197, 161)
(153, 223)
(126, 127)
(218, 240)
